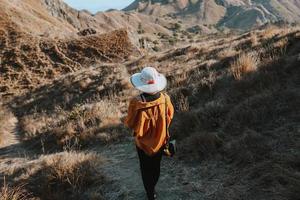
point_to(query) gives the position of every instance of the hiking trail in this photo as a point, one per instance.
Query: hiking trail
(177, 180)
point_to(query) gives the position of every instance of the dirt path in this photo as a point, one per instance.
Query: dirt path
(177, 181)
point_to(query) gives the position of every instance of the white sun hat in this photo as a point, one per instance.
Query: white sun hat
(149, 80)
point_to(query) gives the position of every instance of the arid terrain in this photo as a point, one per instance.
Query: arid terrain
(64, 91)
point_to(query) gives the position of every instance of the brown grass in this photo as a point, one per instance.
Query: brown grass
(7, 127)
(281, 44)
(270, 32)
(244, 64)
(200, 146)
(227, 52)
(53, 58)
(66, 175)
(253, 39)
(8, 192)
(89, 121)
(71, 128)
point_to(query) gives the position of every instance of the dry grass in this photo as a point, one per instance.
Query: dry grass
(13, 193)
(270, 32)
(221, 120)
(33, 125)
(88, 121)
(7, 127)
(67, 175)
(253, 39)
(226, 53)
(82, 124)
(200, 146)
(181, 103)
(72, 169)
(281, 44)
(247, 130)
(244, 64)
(52, 58)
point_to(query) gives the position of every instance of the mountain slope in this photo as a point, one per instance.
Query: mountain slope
(243, 14)
(53, 18)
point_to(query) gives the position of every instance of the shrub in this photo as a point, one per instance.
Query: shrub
(248, 147)
(200, 145)
(270, 32)
(244, 64)
(212, 115)
(177, 26)
(13, 193)
(181, 102)
(88, 121)
(228, 52)
(155, 42)
(172, 41)
(66, 175)
(253, 39)
(156, 48)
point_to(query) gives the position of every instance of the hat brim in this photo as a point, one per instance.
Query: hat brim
(159, 85)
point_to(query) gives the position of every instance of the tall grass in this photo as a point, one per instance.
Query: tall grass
(8, 192)
(66, 175)
(7, 127)
(244, 64)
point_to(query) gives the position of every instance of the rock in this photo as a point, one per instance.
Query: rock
(88, 31)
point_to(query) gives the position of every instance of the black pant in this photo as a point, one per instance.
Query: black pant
(150, 170)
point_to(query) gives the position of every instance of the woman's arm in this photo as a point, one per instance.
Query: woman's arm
(131, 114)
(134, 119)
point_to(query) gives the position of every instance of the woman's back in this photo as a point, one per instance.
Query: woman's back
(147, 117)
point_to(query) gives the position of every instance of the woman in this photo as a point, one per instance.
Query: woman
(148, 119)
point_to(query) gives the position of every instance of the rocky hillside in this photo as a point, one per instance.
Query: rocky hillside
(238, 14)
(65, 87)
(41, 40)
(236, 124)
(50, 17)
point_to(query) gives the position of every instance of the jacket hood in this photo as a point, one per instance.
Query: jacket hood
(139, 104)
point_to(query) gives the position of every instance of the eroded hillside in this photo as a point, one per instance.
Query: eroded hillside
(64, 97)
(239, 14)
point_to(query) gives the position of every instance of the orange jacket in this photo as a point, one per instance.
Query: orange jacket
(147, 120)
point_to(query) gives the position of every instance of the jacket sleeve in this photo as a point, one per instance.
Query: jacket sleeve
(131, 115)
(132, 119)
(170, 110)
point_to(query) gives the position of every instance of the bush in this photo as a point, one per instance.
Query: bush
(226, 53)
(212, 115)
(13, 193)
(156, 48)
(200, 146)
(80, 126)
(177, 26)
(66, 175)
(244, 64)
(248, 147)
(262, 111)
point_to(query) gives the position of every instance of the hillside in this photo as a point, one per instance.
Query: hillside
(237, 14)
(48, 18)
(49, 34)
(65, 89)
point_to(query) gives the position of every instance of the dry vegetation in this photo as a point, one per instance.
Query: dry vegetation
(236, 118)
(7, 127)
(244, 64)
(63, 97)
(54, 57)
(13, 193)
(247, 124)
(237, 113)
(67, 175)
